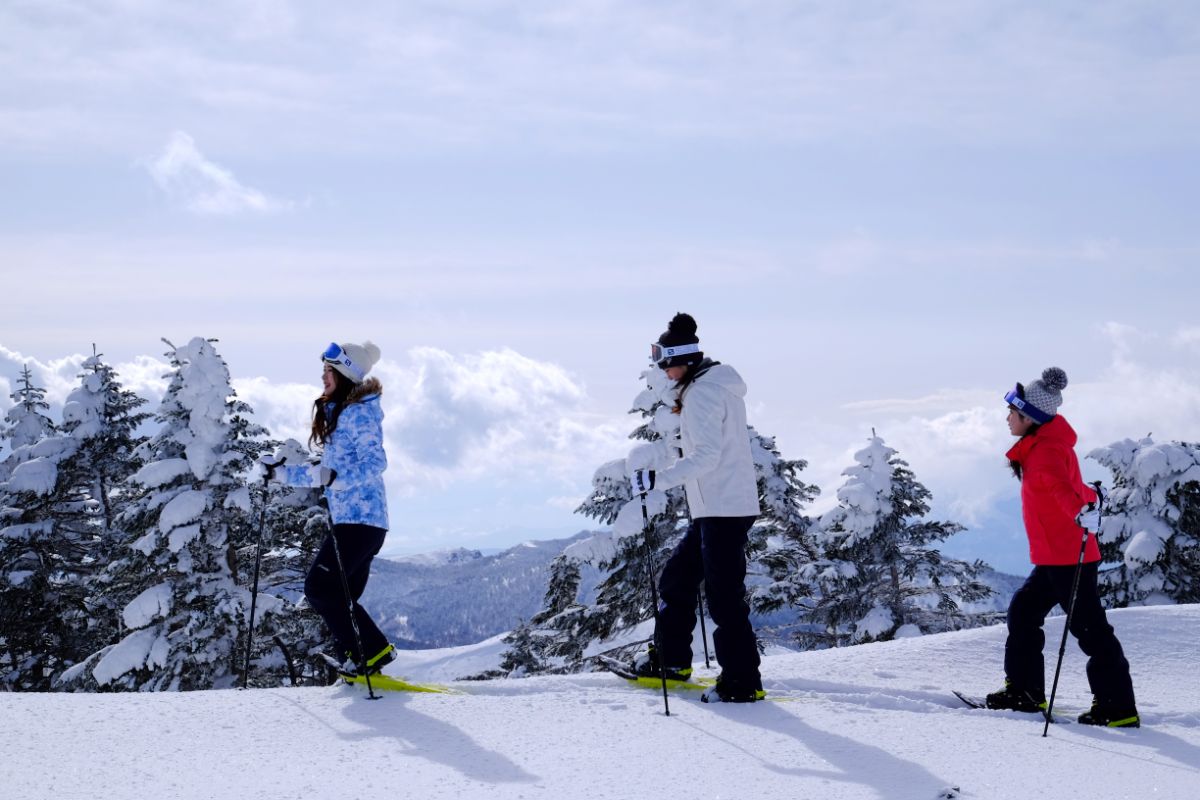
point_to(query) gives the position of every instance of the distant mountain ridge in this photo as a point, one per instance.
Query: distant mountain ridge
(461, 596)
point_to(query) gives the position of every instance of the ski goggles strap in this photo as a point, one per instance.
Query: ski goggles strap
(660, 353)
(334, 355)
(1014, 399)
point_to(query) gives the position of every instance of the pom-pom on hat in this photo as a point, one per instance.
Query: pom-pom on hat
(352, 360)
(1041, 399)
(678, 345)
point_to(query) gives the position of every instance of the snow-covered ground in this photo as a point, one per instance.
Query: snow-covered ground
(873, 721)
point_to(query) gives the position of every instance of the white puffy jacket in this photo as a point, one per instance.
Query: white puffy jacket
(716, 469)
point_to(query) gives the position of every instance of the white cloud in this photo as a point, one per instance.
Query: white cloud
(1187, 338)
(494, 413)
(285, 409)
(202, 186)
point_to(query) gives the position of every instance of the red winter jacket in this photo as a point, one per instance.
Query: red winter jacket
(1052, 494)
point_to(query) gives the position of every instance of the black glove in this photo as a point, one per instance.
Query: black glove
(269, 462)
(328, 476)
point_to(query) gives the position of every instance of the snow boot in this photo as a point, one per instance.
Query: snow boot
(1010, 698)
(733, 691)
(381, 659)
(349, 667)
(1110, 716)
(645, 665)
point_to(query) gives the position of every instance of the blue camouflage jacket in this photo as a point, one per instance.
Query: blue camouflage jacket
(355, 453)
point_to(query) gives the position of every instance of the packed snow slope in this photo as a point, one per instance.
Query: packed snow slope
(873, 721)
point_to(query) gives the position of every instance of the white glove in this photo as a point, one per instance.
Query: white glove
(1089, 518)
(641, 481)
(1091, 514)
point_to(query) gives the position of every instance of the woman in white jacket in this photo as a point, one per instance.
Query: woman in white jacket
(713, 463)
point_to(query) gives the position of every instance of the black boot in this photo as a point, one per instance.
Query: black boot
(1012, 699)
(645, 665)
(1110, 716)
(734, 691)
(350, 668)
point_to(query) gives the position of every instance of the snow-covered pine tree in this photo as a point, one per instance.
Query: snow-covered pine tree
(288, 633)
(781, 540)
(189, 508)
(878, 576)
(523, 656)
(1150, 536)
(33, 553)
(623, 596)
(104, 419)
(545, 650)
(26, 423)
(41, 601)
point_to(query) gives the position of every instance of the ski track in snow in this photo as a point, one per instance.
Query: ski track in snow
(873, 721)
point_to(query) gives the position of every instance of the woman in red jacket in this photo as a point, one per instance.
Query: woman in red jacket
(1054, 504)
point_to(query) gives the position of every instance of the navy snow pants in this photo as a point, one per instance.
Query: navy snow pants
(713, 551)
(1046, 587)
(358, 545)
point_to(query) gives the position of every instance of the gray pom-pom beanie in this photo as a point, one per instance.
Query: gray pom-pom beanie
(1045, 395)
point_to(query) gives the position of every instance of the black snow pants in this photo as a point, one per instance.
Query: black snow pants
(713, 551)
(1046, 587)
(358, 545)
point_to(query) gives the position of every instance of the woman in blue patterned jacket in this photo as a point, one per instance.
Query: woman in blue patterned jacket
(348, 426)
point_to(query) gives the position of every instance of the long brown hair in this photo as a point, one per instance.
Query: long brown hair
(323, 425)
(693, 371)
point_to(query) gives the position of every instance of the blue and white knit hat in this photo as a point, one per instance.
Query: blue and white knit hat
(1040, 400)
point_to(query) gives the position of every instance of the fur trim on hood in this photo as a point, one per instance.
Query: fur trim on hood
(371, 386)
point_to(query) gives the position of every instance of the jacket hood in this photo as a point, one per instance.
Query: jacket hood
(724, 376)
(1057, 430)
(368, 391)
(360, 393)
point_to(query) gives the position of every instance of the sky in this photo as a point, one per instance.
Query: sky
(882, 214)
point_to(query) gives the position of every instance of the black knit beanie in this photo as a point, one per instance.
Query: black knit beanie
(681, 331)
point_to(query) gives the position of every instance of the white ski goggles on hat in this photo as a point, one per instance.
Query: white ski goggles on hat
(334, 355)
(1015, 400)
(660, 353)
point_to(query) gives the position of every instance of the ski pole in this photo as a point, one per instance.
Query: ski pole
(362, 656)
(703, 633)
(262, 521)
(1062, 646)
(658, 651)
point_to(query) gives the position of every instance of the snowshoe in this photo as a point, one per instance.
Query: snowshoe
(645, 665)
(1010, 698)
(734, 691)
(1110, 716)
